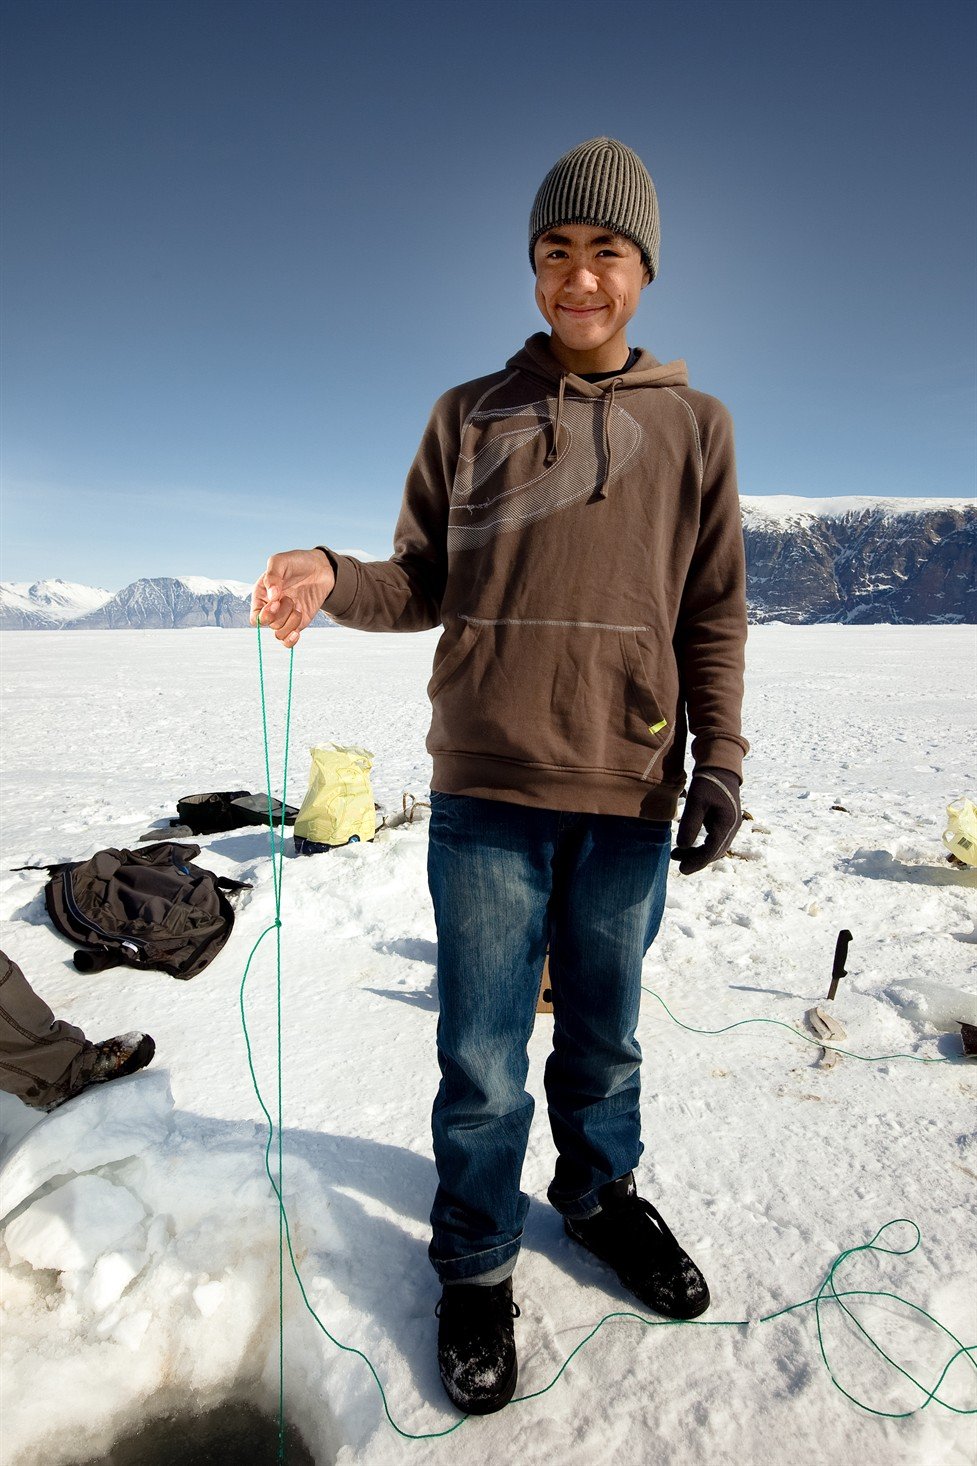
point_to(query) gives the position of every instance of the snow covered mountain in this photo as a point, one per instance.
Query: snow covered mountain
(860, 559)
(46, 603)
(168, 602)
(856, 559)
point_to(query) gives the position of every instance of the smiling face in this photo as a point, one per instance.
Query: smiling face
(588, 284)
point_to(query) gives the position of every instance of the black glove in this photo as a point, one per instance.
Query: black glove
(713, 800)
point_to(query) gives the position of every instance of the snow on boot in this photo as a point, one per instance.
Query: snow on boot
(124, 1054)
(476, 1345)
(113, 1058)
(630, 1235)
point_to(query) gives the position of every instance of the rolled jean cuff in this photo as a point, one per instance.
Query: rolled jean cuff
(491, 1266)
(576, 1208)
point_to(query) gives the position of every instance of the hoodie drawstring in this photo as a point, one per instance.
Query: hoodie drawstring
(601, 492)
(554, 448)
(555, 445)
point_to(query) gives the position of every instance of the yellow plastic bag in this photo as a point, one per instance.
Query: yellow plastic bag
(338, 804)
(960, 835)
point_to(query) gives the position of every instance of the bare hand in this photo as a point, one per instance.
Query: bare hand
(291, 592)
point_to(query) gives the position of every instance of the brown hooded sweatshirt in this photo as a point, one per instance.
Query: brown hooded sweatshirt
(581, 544)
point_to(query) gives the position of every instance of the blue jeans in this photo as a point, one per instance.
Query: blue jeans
(508, 880)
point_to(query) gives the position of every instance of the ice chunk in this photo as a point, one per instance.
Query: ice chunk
(73, 1225)
(208, 1297)
(16, 1119)
(131, 1330)
(108, 1122)
(113, 1273)
(936, 1003)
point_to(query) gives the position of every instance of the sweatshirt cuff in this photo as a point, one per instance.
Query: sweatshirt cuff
(340, 599)
(721, 753)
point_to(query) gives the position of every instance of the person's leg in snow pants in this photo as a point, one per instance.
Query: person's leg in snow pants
(42, 1059)
(506, 880)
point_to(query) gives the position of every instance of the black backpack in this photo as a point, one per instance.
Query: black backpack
(144, 908)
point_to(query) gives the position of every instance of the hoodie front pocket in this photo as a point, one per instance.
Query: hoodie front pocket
(651, 706)
(556, 694)
(451, 660)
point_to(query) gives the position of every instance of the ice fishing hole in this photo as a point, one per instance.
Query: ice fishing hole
(226, 1435)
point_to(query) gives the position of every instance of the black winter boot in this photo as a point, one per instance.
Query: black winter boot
(119, 1056)
(630, 1235)
(476, 1345)
(112, 1058)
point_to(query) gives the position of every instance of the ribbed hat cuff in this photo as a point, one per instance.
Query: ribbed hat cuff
(611, 224)
(603, 183)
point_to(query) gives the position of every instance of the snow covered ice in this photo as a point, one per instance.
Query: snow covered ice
(139, 1269)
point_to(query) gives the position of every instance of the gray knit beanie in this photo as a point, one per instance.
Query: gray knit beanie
(600, 182)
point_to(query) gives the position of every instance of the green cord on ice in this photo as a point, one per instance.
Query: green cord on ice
(796, 1032)
(827, 1293)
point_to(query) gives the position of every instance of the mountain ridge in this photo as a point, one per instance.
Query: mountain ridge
(852, 559)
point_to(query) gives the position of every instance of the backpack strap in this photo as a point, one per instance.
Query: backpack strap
(97, 959)
(225, 883)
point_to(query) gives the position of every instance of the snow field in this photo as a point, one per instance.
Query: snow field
(140, 1262)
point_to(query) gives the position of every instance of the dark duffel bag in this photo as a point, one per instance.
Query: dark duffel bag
(206, 814)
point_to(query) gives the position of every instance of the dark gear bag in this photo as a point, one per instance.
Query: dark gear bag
(144, 908)
(207, 814)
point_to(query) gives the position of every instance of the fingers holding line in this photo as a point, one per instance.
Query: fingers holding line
(264, 600)
(283, 618)
(289, 629)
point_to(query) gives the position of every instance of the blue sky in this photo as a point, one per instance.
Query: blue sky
(247, 245)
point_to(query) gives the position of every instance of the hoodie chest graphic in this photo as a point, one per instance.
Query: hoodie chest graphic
(519, 464)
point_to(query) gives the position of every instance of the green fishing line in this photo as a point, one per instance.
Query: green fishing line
(796, 1032)
(276, 875)
(828, 1293)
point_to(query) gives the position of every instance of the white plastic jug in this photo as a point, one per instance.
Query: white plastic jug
(960, 835)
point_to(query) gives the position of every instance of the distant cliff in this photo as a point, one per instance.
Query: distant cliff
(860, 560)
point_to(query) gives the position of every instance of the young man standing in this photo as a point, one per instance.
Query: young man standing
(573, 523)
